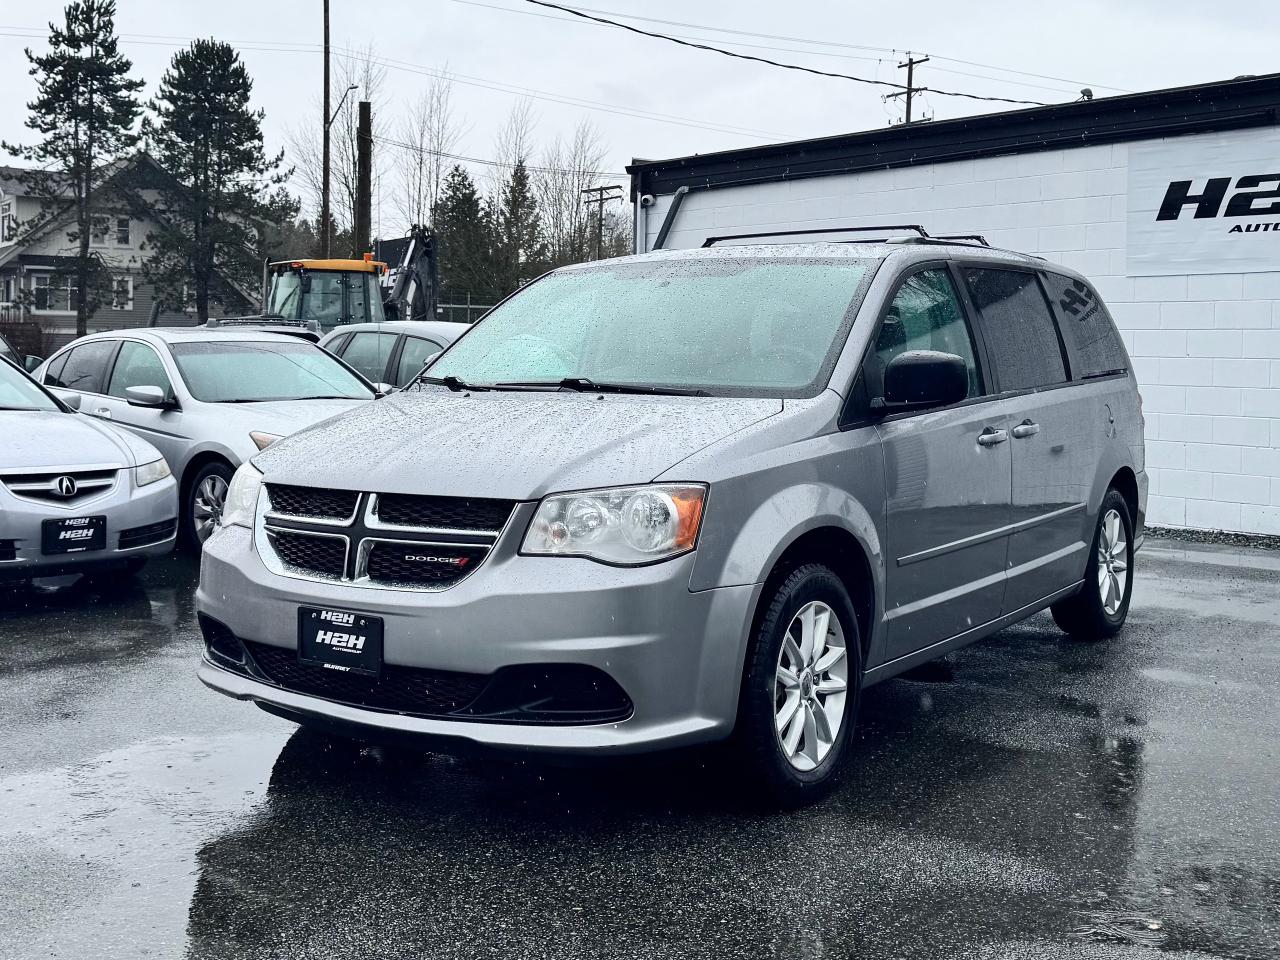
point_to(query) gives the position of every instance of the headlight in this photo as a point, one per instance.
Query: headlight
(150, 472)
(242, 497)
(263, 440)
(621, 525)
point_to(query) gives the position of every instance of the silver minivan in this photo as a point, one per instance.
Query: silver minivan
(692, 496)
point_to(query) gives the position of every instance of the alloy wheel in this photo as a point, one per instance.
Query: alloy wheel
(810, 686)
(206, 507)
(1113, 562)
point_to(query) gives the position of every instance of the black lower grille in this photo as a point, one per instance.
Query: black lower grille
(8, 549)
(316, 502)
(448, 513)
(421, 565)
(151, 533)
(408, 690)
(314, 554)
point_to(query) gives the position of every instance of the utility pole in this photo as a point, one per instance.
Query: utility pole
(602, 196)
(324, 160)
(911, 89)
(364, 179)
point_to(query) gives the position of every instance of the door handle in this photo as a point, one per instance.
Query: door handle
(991, 436)
(104, 412)
(1026, 428)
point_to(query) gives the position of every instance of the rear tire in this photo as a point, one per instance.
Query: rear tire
(801, 688)
(202, 505)
(1101, 607)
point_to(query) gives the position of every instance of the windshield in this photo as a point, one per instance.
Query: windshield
(750, 327)
(335, 298)
(17, 392)
(244, 371)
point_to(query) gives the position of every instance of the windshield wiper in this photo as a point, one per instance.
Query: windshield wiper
(455, 384)
(587, 385)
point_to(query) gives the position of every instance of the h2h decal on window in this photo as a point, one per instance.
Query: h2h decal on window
(1079, 301)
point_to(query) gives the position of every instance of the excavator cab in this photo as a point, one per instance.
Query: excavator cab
(328, 293)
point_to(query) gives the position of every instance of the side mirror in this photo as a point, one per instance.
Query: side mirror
(384, 389)
(69, 397)
(919, 379)
(29, 363)
(145, 396)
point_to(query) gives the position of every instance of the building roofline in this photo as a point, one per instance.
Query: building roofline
(1200, 108)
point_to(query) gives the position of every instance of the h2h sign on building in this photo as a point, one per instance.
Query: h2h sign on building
(1205, 204)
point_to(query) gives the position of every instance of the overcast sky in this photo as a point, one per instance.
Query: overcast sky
(650, 98)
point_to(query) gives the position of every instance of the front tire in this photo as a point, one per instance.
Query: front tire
(204, 501)
(1101, 607)
(801, 688)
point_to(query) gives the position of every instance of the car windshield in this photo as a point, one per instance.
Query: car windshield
(744, 327)
(17, 392)
(334, 298)
(244, 371)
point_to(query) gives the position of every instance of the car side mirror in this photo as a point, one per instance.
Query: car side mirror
(920, 379)
(146, 396)
(69, 397)
(29, 363)
(384, 389)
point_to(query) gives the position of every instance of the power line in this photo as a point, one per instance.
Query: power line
(775, 63)
(532, 168)
(464, 79)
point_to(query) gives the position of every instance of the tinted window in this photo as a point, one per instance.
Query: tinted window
(413, 357)
(1087, 327)
(741, 325)
(227, 371)
(368, 353)
(925, 314)
(138, 366)
(86, 366)
(53, 372)
(1019, 328)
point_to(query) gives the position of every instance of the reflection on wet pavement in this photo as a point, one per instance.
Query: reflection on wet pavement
(1031, 797)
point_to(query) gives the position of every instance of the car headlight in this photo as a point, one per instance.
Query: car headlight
(628, 526)
(262, 439)
(242, 497)
(150, 472)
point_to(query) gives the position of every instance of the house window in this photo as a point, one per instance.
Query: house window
(122, 293)
(122, 232)
(8, 222)
(56, 293)
(98, 231)
(7, 296)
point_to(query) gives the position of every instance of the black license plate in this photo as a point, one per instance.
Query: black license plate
(340, 640)
(74, 535)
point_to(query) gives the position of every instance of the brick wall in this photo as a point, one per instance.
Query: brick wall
(1206, 348)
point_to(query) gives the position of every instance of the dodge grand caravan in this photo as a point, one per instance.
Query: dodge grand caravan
(692, 496)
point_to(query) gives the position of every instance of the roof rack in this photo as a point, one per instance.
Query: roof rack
(263, 321)
(915, 227)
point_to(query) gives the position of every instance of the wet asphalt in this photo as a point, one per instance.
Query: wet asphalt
(1032, 797)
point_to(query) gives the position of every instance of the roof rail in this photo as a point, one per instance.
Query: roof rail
(263, 321)
(923, 234)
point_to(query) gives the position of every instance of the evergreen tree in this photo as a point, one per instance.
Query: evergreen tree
(85, 110)
(462, 228)
(520, 252)
(213, 212)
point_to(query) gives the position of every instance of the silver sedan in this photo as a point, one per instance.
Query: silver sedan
(76, 495)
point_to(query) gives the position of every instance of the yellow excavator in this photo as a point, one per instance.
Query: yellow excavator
(397, 282)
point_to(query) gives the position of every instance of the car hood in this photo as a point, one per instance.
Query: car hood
(286, 416)
(515, 446)
(38, 440)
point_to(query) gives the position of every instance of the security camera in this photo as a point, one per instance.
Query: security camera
(647, 200)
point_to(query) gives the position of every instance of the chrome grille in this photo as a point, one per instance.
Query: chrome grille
(52, 486)
(418, 543)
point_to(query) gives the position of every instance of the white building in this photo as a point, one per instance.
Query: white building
(1169, 201)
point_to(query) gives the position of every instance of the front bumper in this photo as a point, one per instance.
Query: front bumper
(677, 654)
(126, 507)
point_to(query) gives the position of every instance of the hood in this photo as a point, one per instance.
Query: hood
(287, 416)
(514, 446)
(35, 441)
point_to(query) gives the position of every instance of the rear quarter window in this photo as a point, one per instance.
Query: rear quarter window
(1019, 328)
(1087, 327)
